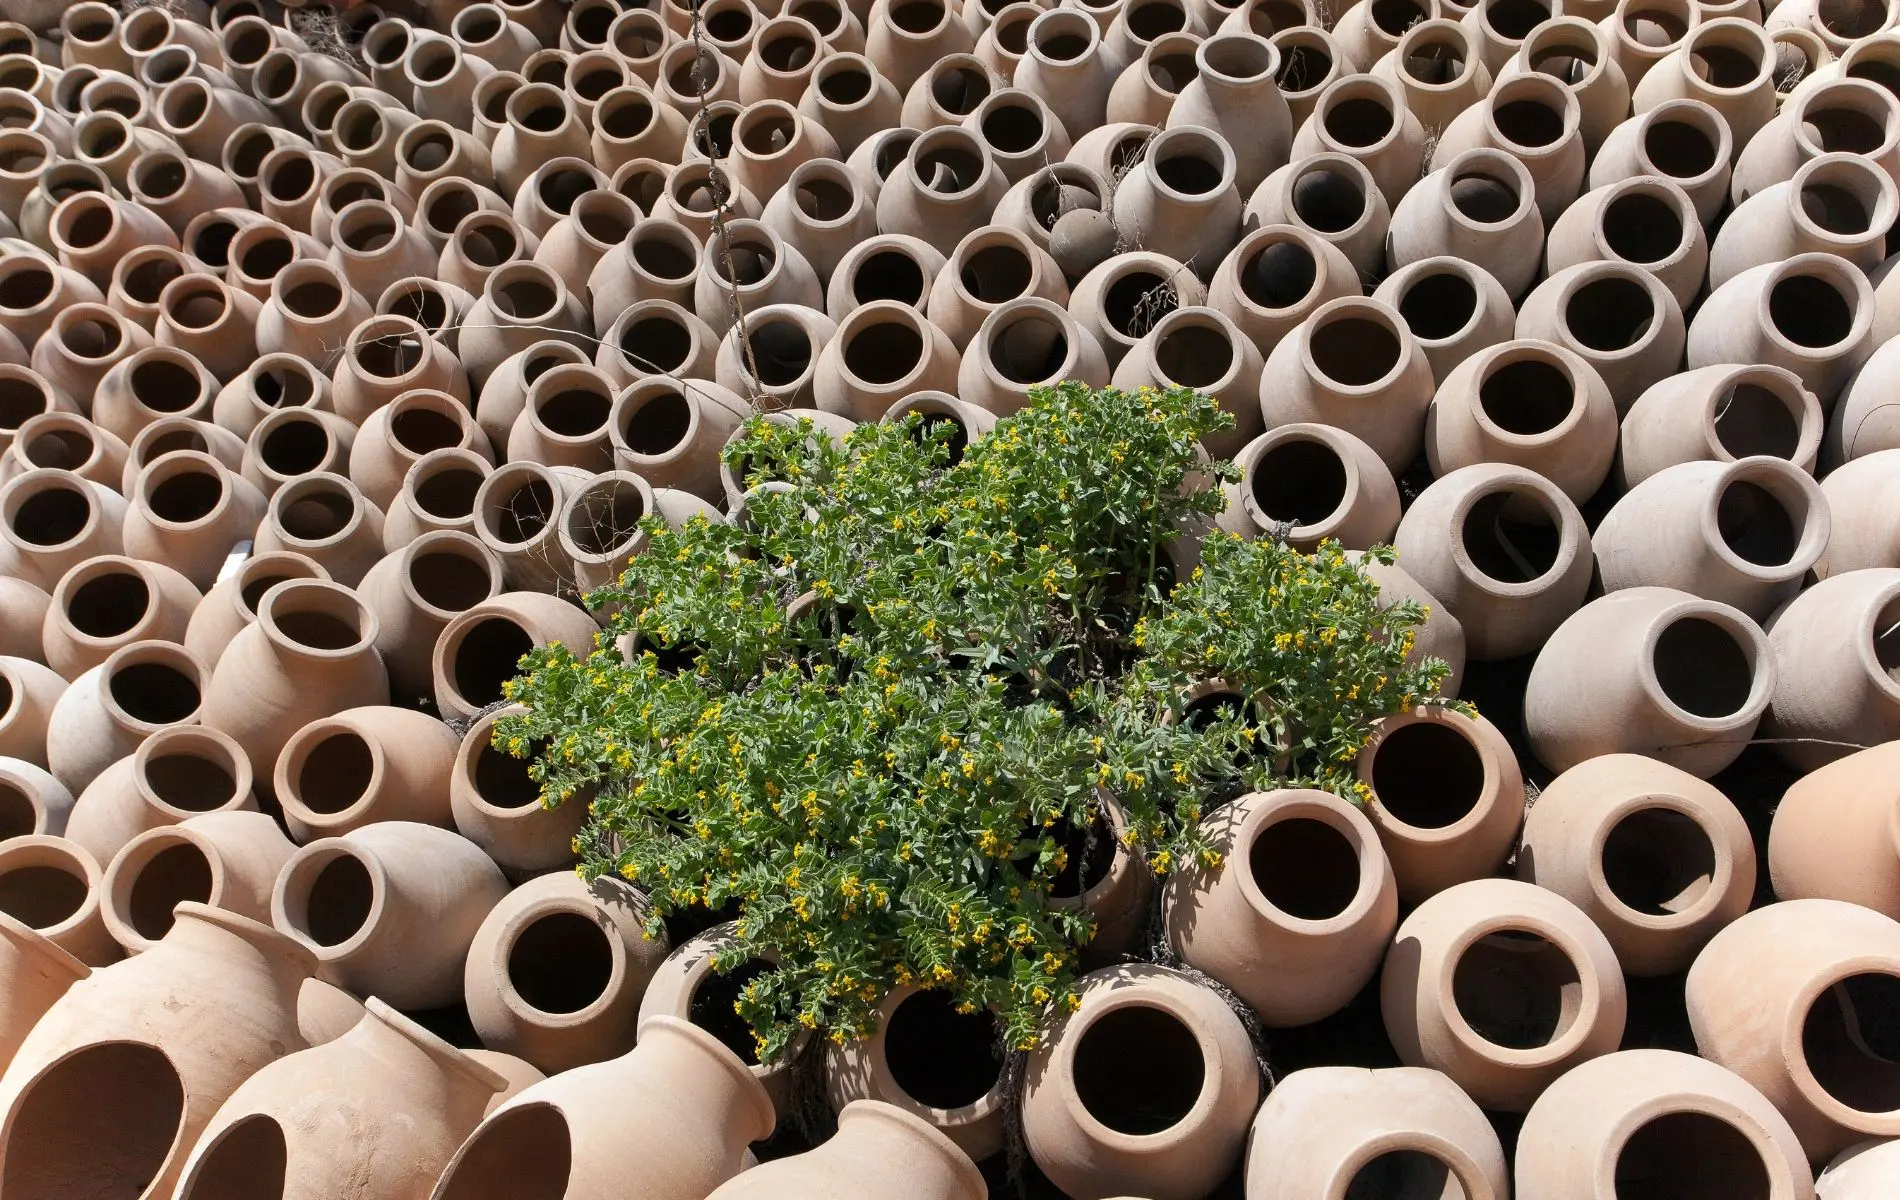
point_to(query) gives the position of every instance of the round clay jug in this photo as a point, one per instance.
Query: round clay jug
(1647, 222)
(1149, 1083)
(678, 1111)
(1810, 313)
(226, 859)
(1781, 998)
(1063, 64)
(438, 493)
(1353, 365)
(1726, 63)
(1116, 303)
(1027, 342)
(231, 603)
(112, 708)
(1620, 319)
(1182, 199)
(656, 338)
(108, 602)
(310, 653)
(498, 807)
(1858, 203)
(930, 1061)
(1333, 195)
(478, 650)
(1659, 859)
(686, 986)
(1442, 636)
(1480, 207)
(176, 773)
(1364, 117)
(31, 800)
(363, 765)
(1649, 670)
(1502, 986)
(670, 430)
(1235, 94)
(1305, 483)
(557, 970)
(1528, 403)
(1724, 412)
(1683, 141)
(299, 1128)
(1860, 1172)
(1276, 277)
(1505, 551)
(1536, 119)
(1201, 348)
(1832, 689)
(170, 1034)
(188, 510)
(880, 1152)
(389, 908)
(1854, 115)
(148, 384)
(1447, 797)
(1668, 1120)
(52, 885)
(415, 591)
(51, 521)
(1303, 874)
(1332, 1133)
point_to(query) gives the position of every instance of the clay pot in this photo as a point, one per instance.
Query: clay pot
(824, 211)
(1182, 200)
(1235, 95)
(1063, 65)
(1304, 875)
(148, 384)
(107, 602)
(110, 709)
(896, 1066)
(1858, 1172)
(498, 807)
(1027, 342)
(1306, 483)
(168, 1035)
(1118, 302)
(1778, 998)
(880, 1152)
(189, 510)
(852, 98)
(177, 772)
(1722, 413)
(597, 222)
(685, 986)
(1447, 797)
(946, 187)
(324, 518)
(1683, 141)
(31, 800)
(1437, 64)
(1742, 90)
(1843, 114)
(1462, 952)
(1856, 492)
(1201, 348)
(296, 1128)
(762, 267)
(389, 355)
(231, 604)
(1453, 308)
(310, 653)
(51, 521)
(1145, 91)
(514, 517)
(1660, 860)
(1535, 119)
(1276, 277)
(1649, 670)
(656, 337)
(37, 973)
(1113, 1098)
(1363, 117)
(599, 526)
(988, 268)
(64, 441)
(438, 493)
(556, 972)
(564, 422)
(1504, 549)
(210, 321)
(1528, 403)
(1331, 1131)
(1857, 202)
(1641, 220)
(1353, 365)
(670, 431)
(389, 908)
(548, 196)
(38, 290)
(415, 591)
(477, 651)
(696, 1108)
(785, 54)
(342, 772)
(226, 859)
(51, 885)
(967, 422)
(1480, 207)
(1442, 636)
(479, 239)
(90, 231)
(294, 442)
(1674, 1120)
(1620, 319)
(1742, 533)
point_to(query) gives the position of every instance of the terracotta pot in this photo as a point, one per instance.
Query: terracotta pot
(947, 187)
(89, 231)
(541, 124)
(1660, 860)
(262, 249)
(37, 973)
(1353, 365)
(1778, 998)
(110, 709)
(1182, 199)
(1838, 31)
(296, 1128)
(498, 807)
(388, 355)
(24, 606)
(1447, 797)
(1620, 319)
(341, 772)
(1104, 1112)
(1841, 114)
(1145, 90)
(481, 235)
(1649, 1115)
(762, 267)
(1649, 670)
(1457, 958)
(1307, 483)
(514, 516)
(1856, 493)
(1235, 95)
(293, 443)
(1332, 913)
(889, 266)
(696, 1110)
(31, 800)
(276, 381)
(556, 972)
(967, 422)
(415, 591)
(177, 772)
(1480, 207)
(1647, 222)
(1528, 403)
(389, 909)
(375, 247)
(52, 520)
(548, 196)
(656, 338)
(52, 885)
(824, 211)
(1742, 533)
(149, 384)
(1743, 90)
(438, 493)
(1683, 141)
(107, 602)
(670, 431)
(597, 222)
(38, 290)
(880, 1151)
(1201, 348)
(1027, 342)
(599, 526)
(323, 517)
(478, 650)
(1535, 119)
(1775, 223)
(565, 420)
(310, 653)
(785, 53)
(1437, 64)
(1331, 1131)
(686, 987)
(958, 1098)
(64, 441)
(170, 1034)
(1504, 549)
(1112, 150)
(988, 268)
(1276, 277)
(505, 395)
(1812, 850)
(1858, 1172)
(1442, 636)
(224, 859)
(1063, 65)
(435, 149)
(231, 604)
(1722, 413)
(1364, 117)
(852, 98)
(1453, 308)
(212, 322)
(189, 510)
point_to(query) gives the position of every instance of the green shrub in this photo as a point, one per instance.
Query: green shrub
(892, 781)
